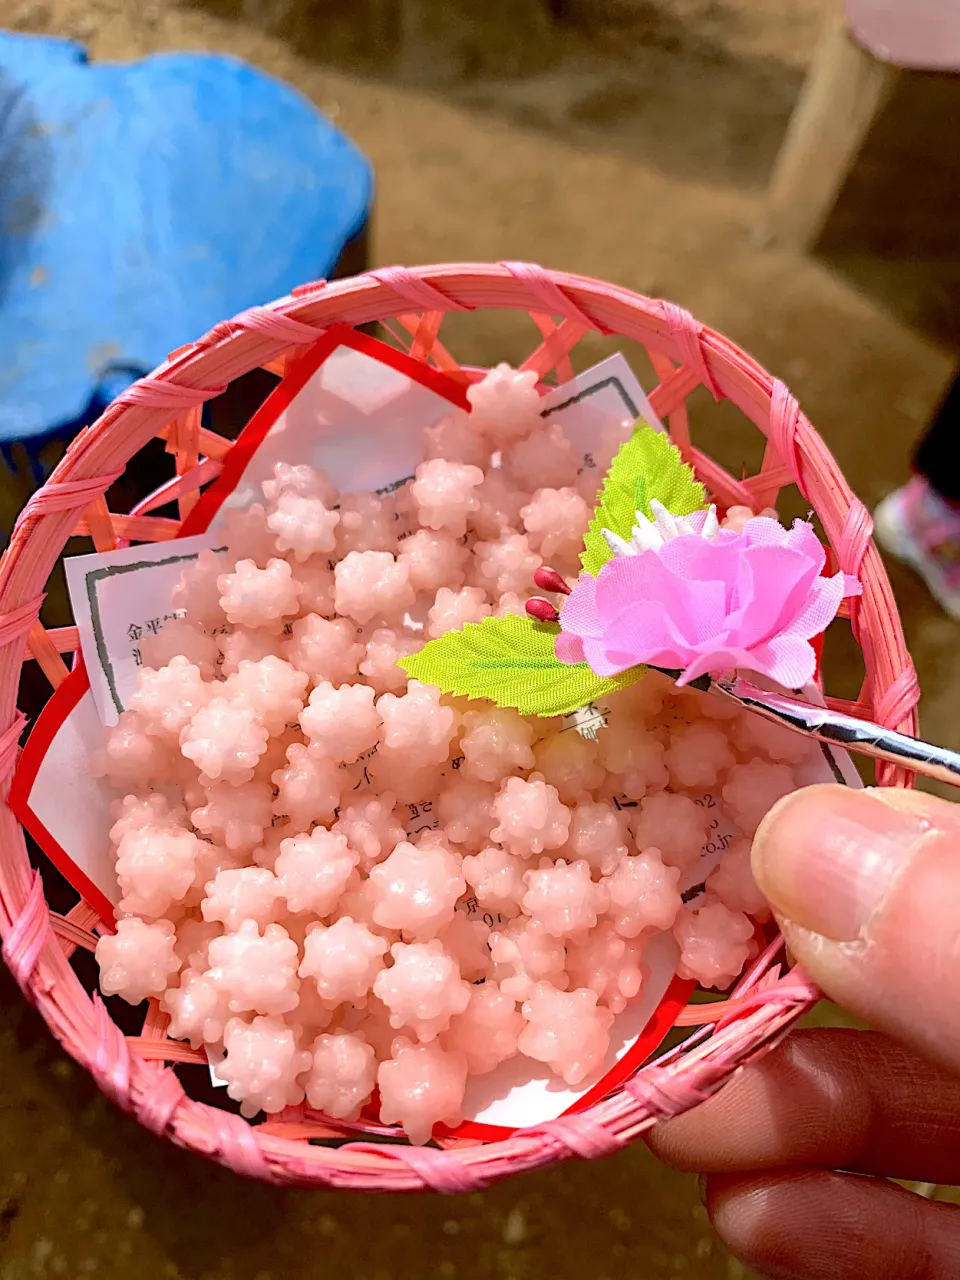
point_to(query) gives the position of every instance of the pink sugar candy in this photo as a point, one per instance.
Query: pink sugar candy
(197, 593)
(495, 743)
(316, 587)
(445, 494)
(138, 960)
(420, 1086)
(715, 944)
(733, 883)
(524, 953)
(608, 964)
(372, 584)
(511, 602)
(505, 404)
(342, 1076)
(417, 723)
(674, 824)
(372, 1022)
(197, 1009)
(246, 535)
(211, 860)
(737, 517)
(423, 989)
(155, 868)
(255, 973)
(224, 741)
(308, 788)
(506, 565)
(499, 509)
(245, 645)
(272, 688)
(311, 1015)
(130, 756)
(366, 524)
(235, 816)
(371, 825)
(530, 816)
(247, 893)
(395, 771)
(303, 526)
(566, 1030)
(634, 756)
(710, 707)
(179, 637)
(563, 898)
(169, 698)
(263, 1065)
(358, 901)
(496, 878)
(555, 521)
(341, 723)
(545, 460)
(325, 650)
(150, 810)
(466, 940)
(416, 889)
(643, 894)
(193, 938)
(569, 763)
(313, 870)
(597, 833)
(434, 559)
(455, 438)
(343, 959)
(754, 735)
(753, 789)
(452, 610)
(697, 755)
(309, 482)
(465, 810)
(487, 1030)
(384, 647)
(266, 854)
(254, 597)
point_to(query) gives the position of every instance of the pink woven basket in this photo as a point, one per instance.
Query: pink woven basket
(136, 1072)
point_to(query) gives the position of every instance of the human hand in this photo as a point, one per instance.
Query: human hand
(797, 1147)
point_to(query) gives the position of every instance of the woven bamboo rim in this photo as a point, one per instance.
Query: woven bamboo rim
(136, 1072)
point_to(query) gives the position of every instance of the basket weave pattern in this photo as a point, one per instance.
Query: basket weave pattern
(37, 943)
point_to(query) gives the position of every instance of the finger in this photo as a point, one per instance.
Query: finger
(865, 885)
(834, 1099)
(834, 1226)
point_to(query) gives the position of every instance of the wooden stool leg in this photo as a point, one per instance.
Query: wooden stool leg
(845, 92)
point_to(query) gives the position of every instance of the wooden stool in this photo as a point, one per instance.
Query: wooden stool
(871, 156)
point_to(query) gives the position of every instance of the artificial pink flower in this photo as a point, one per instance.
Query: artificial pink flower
(753, 599)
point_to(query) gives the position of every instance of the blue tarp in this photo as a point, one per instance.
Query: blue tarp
(140, 204)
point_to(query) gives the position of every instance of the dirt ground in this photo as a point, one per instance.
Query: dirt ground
(626, 139)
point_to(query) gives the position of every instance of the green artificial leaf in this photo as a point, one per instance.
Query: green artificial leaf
(647, 466)
(511, 661)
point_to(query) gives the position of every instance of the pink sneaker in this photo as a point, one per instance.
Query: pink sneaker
(919, 527)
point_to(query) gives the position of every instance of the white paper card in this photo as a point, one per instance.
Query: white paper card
(118, 598)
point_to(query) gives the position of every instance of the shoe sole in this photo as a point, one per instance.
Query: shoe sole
(889, 532)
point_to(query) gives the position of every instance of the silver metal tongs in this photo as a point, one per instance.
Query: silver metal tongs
(838, 730)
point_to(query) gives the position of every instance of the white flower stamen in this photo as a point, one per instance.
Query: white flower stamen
(651, 535)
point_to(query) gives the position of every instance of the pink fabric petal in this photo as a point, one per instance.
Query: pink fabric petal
(764, 531)
(600, 661)
(642, 634)
(772, 585)
(851, 586)
(626, 579)
(786, 659)
(819, 609)
(696, 560)
(713, 660)
(568, 648)
(802, 537)
(579, 613)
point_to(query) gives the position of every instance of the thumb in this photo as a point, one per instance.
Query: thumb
(866, 887)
